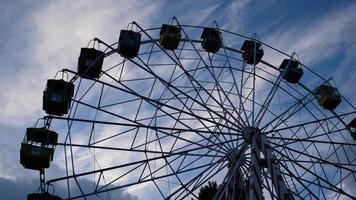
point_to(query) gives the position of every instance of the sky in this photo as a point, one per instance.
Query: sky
(41, 37)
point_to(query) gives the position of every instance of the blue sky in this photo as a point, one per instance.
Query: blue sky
(40, 37)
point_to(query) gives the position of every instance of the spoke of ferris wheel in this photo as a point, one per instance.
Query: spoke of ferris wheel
(176, 122)
(270, 96)
(189, 144)
(239, 93)
(182, 68)
(135, 183)
(309, 139)
(181, 166)
(178, 169)
(202, 180)
(291, 114)
(291, 157)
(306, 154)
(183, 104)
(318, 160)
(165, 90)
(263, 78)
(161, 129)
(342, 121)
(314, 163)
(315, 193)
(210, 72)
(298, 179)
(180, 99)
(135, 163)
(252, 91)
(133, 125)
(209, 174)
(310, 135)
(310, 122)
(241, 103)
(247, 99)
(146, 151)
(254, 81)
(295, 140)
(197, 117)
(317, 177)
(169, 165)
(292, 166)
(152, 102)
(324, 131)
(222, 101)
(291, 110)
(310, 92)
(129, 164)
(190, 108)
(226, 95)
(189, 96)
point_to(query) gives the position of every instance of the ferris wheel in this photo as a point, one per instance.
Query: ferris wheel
(166, 110)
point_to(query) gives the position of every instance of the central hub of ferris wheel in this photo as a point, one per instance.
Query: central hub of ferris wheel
(249, 132)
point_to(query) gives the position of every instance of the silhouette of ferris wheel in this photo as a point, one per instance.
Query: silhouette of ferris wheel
(168, 109)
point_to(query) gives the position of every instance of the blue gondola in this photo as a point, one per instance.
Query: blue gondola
(291, 70)
(252, 51)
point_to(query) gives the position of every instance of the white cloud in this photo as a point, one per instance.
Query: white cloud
(317, 39)
(58, 30)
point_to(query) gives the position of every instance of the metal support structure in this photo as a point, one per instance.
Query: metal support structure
(255, 182)
(272, 164)
(233, 186)
(42, 181)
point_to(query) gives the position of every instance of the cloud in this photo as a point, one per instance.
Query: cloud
(19, 188)
(317, 39)
(54, 33)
